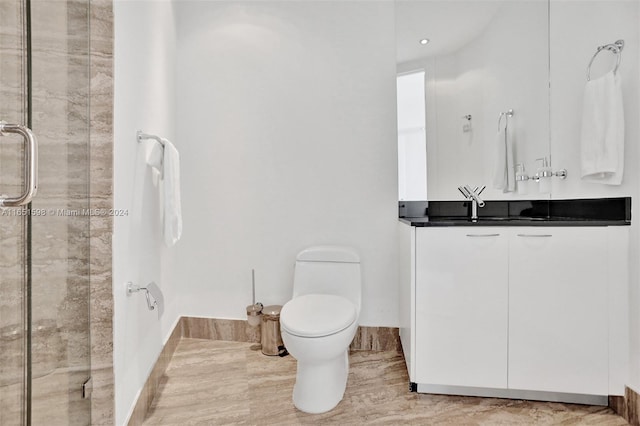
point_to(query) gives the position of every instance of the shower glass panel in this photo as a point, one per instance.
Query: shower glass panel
(44, 247)
(13, 228)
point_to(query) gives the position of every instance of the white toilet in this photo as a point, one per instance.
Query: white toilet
(319, 323)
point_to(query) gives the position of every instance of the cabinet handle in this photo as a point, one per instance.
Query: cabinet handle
(535, 235)
(483, 235)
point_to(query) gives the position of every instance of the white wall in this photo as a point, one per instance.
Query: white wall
(144, 100)
(577, 28)
(286, 120)
(634, 293)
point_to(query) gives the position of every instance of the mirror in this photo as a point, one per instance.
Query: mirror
(483, 58)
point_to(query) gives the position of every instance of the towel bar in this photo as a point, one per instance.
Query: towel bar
(140, 136)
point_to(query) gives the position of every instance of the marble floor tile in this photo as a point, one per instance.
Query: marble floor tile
(216, 382)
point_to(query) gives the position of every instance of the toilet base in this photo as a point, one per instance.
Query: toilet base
(320, 387)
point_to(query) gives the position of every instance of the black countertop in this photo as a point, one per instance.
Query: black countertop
(573, 212)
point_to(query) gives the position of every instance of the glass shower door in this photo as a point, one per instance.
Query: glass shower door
(13, 227)
(44, 247)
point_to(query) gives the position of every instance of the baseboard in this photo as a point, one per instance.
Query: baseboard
(632, 400)
(366, 339)
(219, 329)
(377, 339)
(150, 388)
(618, 405)
(627, 406)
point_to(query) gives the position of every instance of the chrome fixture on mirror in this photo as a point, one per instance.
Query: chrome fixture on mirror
(473, 195)
(562, 174)
(541, 177)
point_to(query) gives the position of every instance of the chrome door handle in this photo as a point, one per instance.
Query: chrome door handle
(31, 164)
(535, 235)
(482, 235)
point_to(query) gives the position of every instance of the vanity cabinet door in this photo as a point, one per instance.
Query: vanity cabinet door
(558, 310)
(461, 306)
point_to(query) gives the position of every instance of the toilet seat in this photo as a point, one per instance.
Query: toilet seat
(317, 315)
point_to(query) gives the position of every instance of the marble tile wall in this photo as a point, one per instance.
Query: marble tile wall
(60, 264)
(101, 197)
(12, 228)
(60, 237)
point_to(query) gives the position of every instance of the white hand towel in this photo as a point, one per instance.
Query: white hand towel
(602, 136)
(504, 177)
(153, 154)
(172, 204)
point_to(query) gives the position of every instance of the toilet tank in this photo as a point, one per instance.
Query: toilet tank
(328, 270)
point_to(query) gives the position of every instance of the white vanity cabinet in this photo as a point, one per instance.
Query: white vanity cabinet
(518, 312)
(461, 306)
(558, 310)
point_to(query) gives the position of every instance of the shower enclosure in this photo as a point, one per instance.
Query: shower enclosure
(44, 245)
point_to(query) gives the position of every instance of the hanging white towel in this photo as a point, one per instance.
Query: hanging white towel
(504, 176)
(153, 154)
(172, 204)
(602, 136)
(165, 163)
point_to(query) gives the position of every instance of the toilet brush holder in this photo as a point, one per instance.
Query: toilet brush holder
(254, 314)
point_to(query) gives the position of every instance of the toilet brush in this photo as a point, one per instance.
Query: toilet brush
(254, 311)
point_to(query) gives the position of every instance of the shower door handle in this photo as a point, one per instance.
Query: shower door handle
(31, 165)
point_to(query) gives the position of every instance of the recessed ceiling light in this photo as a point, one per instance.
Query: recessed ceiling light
(424, 41)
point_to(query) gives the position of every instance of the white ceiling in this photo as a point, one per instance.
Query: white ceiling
(449, 24)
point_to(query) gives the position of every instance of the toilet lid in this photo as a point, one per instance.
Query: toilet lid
(317, 315)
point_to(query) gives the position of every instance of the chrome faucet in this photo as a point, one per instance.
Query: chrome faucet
(473, 195)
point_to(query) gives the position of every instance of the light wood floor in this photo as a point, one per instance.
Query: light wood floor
(218, 383)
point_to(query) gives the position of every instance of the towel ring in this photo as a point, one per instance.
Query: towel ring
(616, 48)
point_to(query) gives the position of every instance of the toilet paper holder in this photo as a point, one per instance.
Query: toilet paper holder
(134, 288)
